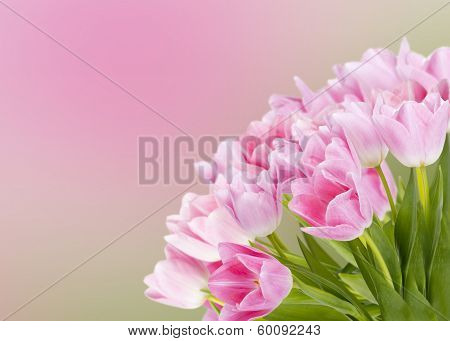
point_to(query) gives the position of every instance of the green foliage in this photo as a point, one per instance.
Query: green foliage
(356, 284)
(389, 254)
(406, 225)
(397, 270)
(300, 307)
(439, 288)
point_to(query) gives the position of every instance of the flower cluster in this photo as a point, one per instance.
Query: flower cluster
(323, 155)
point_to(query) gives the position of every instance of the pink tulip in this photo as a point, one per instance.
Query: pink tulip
(316, 108)
(201, 226)
(415, 132)
(361, 134)
(335, 211)
(328, 156)
(438, 64)
(285, 164)
(179, 281)
(443, 88)
(250, 282)
(332, 198)
(314, 150)
(255, 206)
(411, 67)
(313, 103)
(250, 153)
(278, 121)
(438, 97)
(233, 156)
(381, 70)
(375, 72)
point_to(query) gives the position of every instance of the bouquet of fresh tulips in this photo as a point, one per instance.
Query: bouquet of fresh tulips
(369, 247)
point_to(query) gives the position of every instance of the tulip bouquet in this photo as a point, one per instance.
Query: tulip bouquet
(368, 247)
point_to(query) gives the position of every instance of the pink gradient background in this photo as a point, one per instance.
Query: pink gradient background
(68, 137)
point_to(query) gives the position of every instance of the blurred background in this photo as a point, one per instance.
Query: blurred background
(68, 137)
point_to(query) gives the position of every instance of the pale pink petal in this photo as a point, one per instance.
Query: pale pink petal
(399, 140)
(231, 313)
(232, 282)
(249, 282)
(361, 133)
(313, 154)
(439, 63)
(193, 247)
(221, 227)
(345, 209)
(276, 282)
(435, 134)
(254, 301)
(178, 282)
(309, 207)
(263, 218)
(340, 232)
(328, 186)
(227, 251)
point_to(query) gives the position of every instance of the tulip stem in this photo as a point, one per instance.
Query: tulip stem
(213, 299)
(422, 184)
(378, 257)
(213, 306)
(279, 241)
(388, 192)
(273, 240)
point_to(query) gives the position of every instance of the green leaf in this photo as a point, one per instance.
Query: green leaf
(432, 229)
(421, 308)
(359, 250)
(406, 225)
(318, 252)
(414, 287)
(417, 266)
(342, 250)
(357, 285)
(321, 270)
(392, 305)
(439, 288)
(322, 278)
(330, 300)
(291, 257)
(401, 190)
(389, 254)
(299, 307)
(348, 269)
(315, 265)
(295, 258)
(374, 310)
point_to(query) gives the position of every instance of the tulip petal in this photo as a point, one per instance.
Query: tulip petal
(227, 251)
(276, 282)
(232, 282)
(436, 133)
(345, 209)
(193, 247)
(399, 140)
(263, 218)
(309, 207)
(366, 141)
(221, 227)
(339, 232)
(231, 313)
